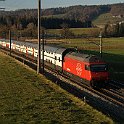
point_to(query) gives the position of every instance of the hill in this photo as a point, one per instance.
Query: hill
(105, 18)
(81, 16)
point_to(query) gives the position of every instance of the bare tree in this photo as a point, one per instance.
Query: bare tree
(65, 32)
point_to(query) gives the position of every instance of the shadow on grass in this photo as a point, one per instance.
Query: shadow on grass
(115, 62)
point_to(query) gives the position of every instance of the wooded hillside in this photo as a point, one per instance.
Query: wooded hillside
(75, 16)
(25, 20)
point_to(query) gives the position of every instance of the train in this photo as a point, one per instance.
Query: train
(85, 68)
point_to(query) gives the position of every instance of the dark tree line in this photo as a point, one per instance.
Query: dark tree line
(117, 9)
(48, 23)
(55, 23)
(114, 30)
(28, 26)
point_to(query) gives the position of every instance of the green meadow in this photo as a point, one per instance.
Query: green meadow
(106, 18)
(77, 31)
(26, 97)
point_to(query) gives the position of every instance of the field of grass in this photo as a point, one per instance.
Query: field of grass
(114, 55)
(26, 97)
(106, 18)
(77, 31)
(111, 45)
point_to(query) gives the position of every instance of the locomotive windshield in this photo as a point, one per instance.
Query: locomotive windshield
(98, 68)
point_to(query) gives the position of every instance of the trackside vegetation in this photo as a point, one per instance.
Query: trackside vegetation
(26, 97)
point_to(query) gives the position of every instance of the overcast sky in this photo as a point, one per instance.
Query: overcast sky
(19, 4)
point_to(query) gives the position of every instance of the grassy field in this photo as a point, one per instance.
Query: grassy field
(77, 31)
(106, 18)
(29, 98)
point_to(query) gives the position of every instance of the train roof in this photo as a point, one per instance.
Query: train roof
(47, 48)
(54, 49)
(84, 57)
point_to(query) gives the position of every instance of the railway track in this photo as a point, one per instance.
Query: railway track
(106, 94)
(119, 92)
(116, 105)
(117, 83)
(113, 95)
(82, 91)
(116, 88)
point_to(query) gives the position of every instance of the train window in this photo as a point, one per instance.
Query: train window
(59, 59)
(99, 68)
(55, 57)
(87, 67)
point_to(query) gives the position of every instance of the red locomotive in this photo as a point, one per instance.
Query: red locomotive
(86, 67)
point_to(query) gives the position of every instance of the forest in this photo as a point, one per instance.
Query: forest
(55, 18)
